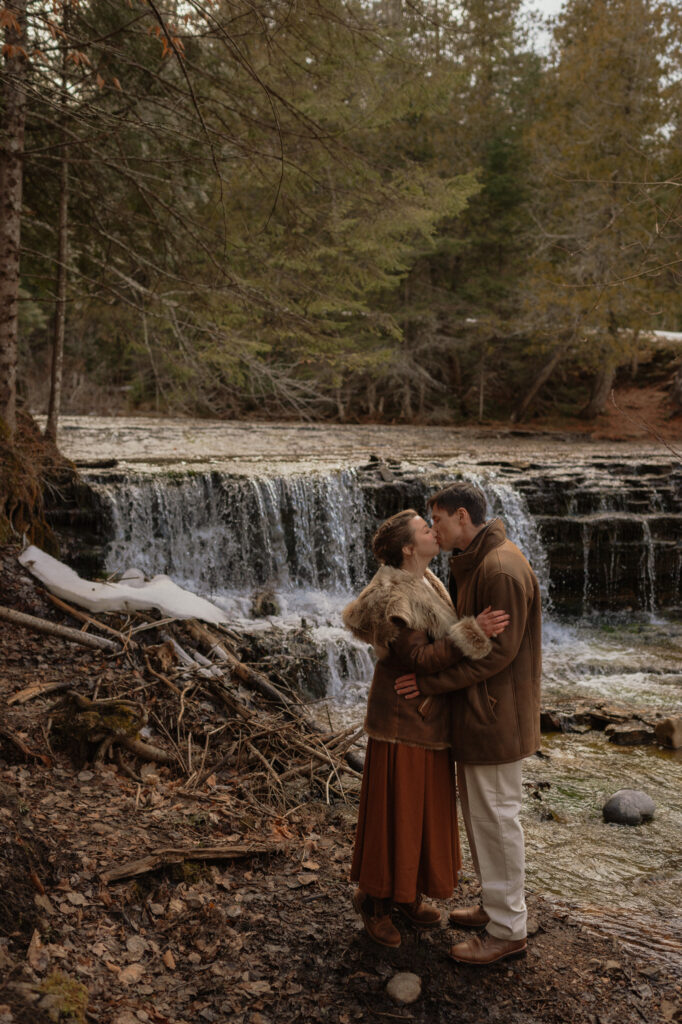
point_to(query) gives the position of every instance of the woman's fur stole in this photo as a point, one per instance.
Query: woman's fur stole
(394, 596)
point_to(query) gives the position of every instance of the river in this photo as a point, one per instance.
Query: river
(233, 508)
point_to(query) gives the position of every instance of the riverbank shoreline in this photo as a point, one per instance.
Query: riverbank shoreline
(251, 940)
(138, 440)
(633, 413)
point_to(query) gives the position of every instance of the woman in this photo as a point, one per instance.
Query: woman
(407, 843)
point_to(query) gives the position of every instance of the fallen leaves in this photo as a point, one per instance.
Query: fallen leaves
(136, 946)
(131, 974)
(256, 940)
(36, 955)
(256, 988)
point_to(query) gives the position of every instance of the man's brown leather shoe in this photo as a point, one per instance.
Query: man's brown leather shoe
(419, 914)
(484, 949)
(376, 918)
(468, 917)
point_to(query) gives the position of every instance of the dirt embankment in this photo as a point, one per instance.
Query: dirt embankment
(246, 938)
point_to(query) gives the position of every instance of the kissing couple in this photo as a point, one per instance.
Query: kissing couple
(456, 683)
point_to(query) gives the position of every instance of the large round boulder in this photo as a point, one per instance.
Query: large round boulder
(629, 807)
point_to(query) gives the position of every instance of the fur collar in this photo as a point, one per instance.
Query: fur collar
(396, 594)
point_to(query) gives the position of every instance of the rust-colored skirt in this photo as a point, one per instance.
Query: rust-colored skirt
(407, 841)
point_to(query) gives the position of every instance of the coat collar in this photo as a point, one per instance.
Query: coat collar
(486, 540)
(394, 594)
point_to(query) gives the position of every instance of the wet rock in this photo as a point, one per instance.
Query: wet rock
(534, 788)
(629, 807)
(550, 721)
(573, 723)
(263, 604)
(630, 734)
(669, 732)
(604, 715)
(404, 988)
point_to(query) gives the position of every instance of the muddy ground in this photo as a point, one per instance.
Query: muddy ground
(257, 939)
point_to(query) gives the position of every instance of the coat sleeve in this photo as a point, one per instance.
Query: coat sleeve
(502, 591)
(412, 650)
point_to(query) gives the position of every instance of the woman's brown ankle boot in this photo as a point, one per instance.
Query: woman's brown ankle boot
(376, 917)
(420, 914)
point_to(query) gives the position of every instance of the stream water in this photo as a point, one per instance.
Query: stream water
(229, 509)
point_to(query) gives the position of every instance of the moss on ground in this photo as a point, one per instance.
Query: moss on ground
(68, 998)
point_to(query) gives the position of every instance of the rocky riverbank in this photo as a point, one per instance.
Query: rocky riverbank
(260, 930)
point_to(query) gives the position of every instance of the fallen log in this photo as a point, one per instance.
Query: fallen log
(99, 643)
(176, 855)
(89, 620)
(38, 690)
(147, 751)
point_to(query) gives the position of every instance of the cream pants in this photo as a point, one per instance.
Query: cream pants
(490, 797)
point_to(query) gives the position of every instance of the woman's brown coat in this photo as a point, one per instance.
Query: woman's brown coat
(413, 627)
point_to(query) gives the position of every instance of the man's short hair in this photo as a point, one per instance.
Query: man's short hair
(462, 494)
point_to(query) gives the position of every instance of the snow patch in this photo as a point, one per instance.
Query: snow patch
(131, 595)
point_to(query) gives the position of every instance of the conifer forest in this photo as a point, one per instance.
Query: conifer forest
(357, 210)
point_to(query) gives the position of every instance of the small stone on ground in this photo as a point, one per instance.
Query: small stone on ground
(404, 988)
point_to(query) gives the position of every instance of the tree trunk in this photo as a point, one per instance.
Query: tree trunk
(340, 409)
(543, 376)
(601, 387)
(62, 255)
(371, 398)
(60, 304)
(11, 180)
(406, 411)
(676, 392)
(455, 371)
(481, 387)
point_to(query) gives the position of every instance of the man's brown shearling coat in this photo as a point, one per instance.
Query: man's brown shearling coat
(496, 711)
(414, 628)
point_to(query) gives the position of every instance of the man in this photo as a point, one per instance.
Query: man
(495, 715)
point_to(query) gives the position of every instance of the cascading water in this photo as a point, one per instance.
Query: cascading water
(305, 537)
(220, 533)
(601, 527)
(648, 567)
(507, 503)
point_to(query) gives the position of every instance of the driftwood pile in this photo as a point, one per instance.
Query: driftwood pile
(190, 702)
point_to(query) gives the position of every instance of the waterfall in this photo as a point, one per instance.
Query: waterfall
(586, 566)
(350, 665)
(305, 536)
(510, 505)
(648, 567)
(600, 539)
(218, 532)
